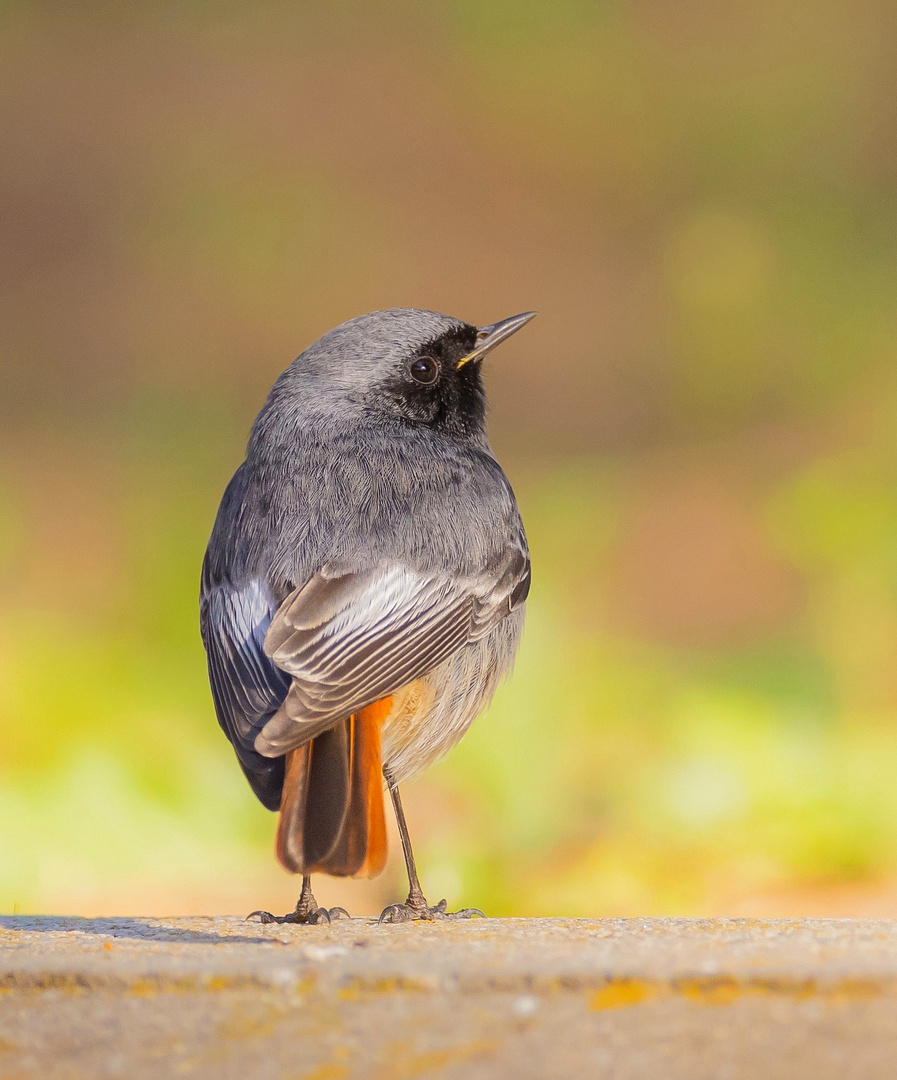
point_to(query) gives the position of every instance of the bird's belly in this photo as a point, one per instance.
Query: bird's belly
(430, 715)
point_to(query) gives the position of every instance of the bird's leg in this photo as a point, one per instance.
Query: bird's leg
(416, 906)
(416, 901)
(307, 911)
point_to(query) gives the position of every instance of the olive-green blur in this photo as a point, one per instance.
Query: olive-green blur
(699, 198)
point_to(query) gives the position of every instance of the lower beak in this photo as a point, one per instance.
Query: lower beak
(494, 334)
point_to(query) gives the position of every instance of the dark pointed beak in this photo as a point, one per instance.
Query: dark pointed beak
(494, 334)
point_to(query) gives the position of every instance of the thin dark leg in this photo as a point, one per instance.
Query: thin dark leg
(416, 906)
(415, 893)
(307, 911)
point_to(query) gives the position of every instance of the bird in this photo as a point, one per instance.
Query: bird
(363, 589)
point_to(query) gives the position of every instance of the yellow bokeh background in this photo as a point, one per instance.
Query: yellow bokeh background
(701, 427)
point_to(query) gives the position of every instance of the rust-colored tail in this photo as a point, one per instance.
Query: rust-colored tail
(331, 810)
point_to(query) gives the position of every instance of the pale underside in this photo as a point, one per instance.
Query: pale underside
(430, 715)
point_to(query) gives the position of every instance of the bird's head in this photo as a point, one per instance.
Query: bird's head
(403, 364)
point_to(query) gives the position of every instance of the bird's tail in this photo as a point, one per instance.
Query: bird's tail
(331, 810)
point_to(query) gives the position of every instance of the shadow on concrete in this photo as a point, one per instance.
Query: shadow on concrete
(139, 929)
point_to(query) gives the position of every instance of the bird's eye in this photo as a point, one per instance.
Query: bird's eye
(425, 370)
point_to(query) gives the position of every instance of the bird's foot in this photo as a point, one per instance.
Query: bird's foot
(416, 909)
(307, 912)
(319, 916)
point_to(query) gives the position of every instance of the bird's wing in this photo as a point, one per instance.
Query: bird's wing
(247, 687)
(349, 638)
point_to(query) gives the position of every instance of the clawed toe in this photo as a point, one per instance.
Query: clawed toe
(466, 913)
(265, 917)
(325, 916)
(395, 913)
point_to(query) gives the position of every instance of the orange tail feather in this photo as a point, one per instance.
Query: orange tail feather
(331, 811)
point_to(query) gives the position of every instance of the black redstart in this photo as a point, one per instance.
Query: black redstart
(364, 586)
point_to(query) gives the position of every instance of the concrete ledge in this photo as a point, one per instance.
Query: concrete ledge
(617, 998)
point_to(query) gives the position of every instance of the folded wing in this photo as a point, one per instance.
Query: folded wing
(349, 638)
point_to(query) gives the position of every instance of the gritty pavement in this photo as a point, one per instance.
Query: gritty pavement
(673, 999)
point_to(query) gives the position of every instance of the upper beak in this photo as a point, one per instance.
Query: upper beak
(494, 334)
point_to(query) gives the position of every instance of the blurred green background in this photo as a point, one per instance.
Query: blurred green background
(701, 200)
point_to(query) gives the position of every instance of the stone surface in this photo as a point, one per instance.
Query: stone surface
(616, 998)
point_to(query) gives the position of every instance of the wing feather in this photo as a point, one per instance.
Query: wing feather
(247, 687)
